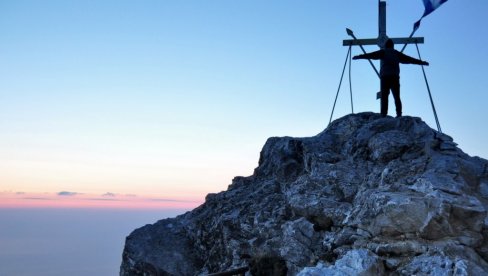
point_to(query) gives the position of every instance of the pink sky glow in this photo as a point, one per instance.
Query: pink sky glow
(65, 199)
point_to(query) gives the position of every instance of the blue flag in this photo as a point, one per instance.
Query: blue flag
(430, 6)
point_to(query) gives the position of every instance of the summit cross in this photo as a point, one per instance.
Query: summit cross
(382, 36)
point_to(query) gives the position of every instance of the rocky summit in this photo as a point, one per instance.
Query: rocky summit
(370, 195)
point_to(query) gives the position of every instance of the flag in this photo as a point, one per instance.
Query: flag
(430, 6)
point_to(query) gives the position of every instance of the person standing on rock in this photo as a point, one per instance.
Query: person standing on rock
(390, 73)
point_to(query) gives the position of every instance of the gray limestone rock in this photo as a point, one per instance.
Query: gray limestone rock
(359, 262)
(367, 196)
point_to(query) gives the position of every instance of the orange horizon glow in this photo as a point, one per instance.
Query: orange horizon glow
(109, 201)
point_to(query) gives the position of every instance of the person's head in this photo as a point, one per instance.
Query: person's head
(389, 43)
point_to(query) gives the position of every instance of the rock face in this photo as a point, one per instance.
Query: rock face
(367, 196)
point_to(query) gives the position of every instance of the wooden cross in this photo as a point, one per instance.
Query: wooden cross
(382, 36)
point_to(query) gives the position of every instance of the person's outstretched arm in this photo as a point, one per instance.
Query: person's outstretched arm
(372, 55)
(410, 60)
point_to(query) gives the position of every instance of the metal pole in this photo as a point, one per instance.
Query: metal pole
(430, 95)
(340, 82)
(411, 35)
(350, 81)
(350, 33)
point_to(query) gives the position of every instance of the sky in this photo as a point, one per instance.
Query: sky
(154, 104)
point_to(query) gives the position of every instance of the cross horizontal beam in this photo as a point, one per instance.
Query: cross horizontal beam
(367, 41)
(374, 41)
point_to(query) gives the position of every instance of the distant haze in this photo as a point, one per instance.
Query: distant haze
(75, 242)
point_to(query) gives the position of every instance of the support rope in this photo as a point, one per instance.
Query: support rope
(340, 82)
(430, 95)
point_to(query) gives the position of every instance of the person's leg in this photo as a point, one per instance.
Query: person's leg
(385, 92)
(395, 90)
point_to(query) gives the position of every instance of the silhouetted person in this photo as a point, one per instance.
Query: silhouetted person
(390, 73)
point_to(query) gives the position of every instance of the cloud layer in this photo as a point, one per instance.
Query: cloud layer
(66, 193)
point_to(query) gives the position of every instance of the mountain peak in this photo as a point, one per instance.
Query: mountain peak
(369, 195)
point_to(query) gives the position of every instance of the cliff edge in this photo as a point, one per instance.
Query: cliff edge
(367, 196)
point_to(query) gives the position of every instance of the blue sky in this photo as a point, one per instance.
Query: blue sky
(175, 98)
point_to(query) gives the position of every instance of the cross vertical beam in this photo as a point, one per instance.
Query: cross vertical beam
(382, 37)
